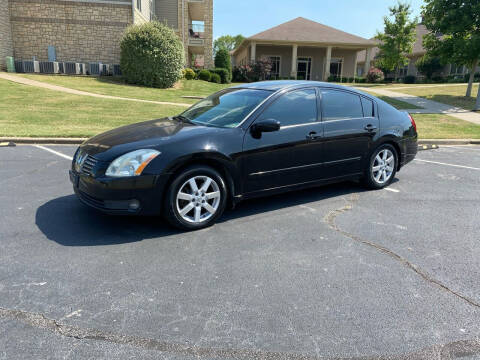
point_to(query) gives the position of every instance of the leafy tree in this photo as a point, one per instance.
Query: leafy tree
(397, 40)
(227, 42)
(428, 65)
(222, 60)
(455, 34)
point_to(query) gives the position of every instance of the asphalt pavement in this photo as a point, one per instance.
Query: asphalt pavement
(326, 273)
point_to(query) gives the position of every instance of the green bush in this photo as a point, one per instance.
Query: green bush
(360, 80)
(410, 79)
(189, 74)
(222, 60)
(205, 75)
(215, 78)
(224, 74)
(151, 55)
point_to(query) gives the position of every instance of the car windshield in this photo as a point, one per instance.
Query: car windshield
(225, 109)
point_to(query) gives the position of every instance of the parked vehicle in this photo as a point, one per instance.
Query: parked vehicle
(246, 141)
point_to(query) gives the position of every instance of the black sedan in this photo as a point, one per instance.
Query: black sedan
(243, 142)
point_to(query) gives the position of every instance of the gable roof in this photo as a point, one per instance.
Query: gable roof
(418, 48)
(304, 30)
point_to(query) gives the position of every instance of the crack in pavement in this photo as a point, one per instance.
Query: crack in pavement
(330, 218)
(453, 350)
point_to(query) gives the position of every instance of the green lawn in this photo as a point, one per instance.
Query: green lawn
(115, 86)
(452, 95)
(439, 126)
(30, 111)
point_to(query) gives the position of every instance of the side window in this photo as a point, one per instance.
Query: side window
(340, 105)
(368, 109)
(293, 108)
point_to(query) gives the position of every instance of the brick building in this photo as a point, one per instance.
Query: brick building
(90, 30)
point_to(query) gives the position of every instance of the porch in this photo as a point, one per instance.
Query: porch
(303, 62)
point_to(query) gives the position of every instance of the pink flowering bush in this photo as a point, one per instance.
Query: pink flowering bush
(375, 75)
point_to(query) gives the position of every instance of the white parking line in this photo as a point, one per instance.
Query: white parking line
(54, 152)
(445, 164)
(392, 190)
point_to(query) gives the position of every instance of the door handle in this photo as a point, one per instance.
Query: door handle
(312, 136)
(370, 128)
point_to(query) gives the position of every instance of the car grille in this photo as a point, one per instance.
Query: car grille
(88, 165)
(90, 200)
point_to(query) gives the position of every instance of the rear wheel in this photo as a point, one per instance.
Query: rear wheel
(382, 167)
(196, 198)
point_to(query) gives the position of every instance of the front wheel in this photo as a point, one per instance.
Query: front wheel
(382, 167)
(196, 198)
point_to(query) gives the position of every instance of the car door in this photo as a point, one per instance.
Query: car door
(290, 155)
(350, 124)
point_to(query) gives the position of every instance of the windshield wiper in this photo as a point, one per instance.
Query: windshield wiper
(183, 119)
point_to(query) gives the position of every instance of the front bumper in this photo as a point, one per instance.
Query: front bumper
(140, 195)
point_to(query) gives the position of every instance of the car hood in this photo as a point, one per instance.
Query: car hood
(152, 134)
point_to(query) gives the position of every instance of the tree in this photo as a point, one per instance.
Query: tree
(151, 54)
(455, 34)
(428, 65)
(222, 60)
(397, 40)
(227, 42)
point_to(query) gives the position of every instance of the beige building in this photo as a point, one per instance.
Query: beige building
(304, 49)
(418, 52)
(90, 30)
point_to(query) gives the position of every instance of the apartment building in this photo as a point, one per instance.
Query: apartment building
(90, 30)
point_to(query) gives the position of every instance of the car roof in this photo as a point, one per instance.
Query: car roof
(278, 85)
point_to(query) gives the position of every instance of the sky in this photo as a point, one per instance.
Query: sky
(359, 17)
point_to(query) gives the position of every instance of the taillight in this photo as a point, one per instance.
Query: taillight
(413, 122)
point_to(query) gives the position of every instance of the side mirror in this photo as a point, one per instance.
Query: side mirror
(269, 125)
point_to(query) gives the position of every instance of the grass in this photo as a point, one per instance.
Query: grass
(29, 111)
(115, 86)
(440, 126)
(452, 95)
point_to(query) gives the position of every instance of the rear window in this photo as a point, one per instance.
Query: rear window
(340, 105)
(368, 110)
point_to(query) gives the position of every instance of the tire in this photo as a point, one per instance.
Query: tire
(381, 171)
(189, 208)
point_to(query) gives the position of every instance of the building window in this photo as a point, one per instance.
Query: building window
(304, 68)
(457, 69)
(139, 5)
(336, 65)
(152, 10)
(403, 71)
(275, 72)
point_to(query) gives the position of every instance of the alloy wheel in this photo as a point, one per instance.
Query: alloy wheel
(383, 166)
(198, 199)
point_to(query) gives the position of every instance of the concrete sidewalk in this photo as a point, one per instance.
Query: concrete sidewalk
(24, 81)
(429, 106)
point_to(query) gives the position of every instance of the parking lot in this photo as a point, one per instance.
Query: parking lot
(333, 272)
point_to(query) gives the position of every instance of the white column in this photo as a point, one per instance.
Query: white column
(253, 52)
(328, 60)
(293, 72)
(368, 59)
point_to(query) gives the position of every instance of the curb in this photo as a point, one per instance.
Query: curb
(28, 140)
(448, 142)
(78, 141)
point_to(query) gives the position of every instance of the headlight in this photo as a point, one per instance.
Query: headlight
(131, 164)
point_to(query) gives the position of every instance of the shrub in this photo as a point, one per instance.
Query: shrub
(189, 74)
(375, 75)
(222, 60)
(205, 75)
(215, 78)
(410, 79)
(360, 80)
(152, 55)
(258, 70)
(224, 74)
